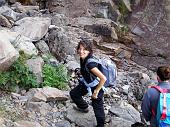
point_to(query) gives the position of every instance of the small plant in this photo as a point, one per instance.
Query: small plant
(22, 76)
(18, 75)
(4, 77)
(55, 76)
(123, 10)
(122, 30)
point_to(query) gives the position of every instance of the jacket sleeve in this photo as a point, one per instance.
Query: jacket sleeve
(146, 107)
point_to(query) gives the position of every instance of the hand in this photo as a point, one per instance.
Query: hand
(95, 94)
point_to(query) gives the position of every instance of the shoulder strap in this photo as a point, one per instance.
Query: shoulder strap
(158, 88)
(161, 90)
(164, 112)
(92, 59)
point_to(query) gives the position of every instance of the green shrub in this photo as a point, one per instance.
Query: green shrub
(4, 77)
(21, 75)
(55, 76)
(18, 74)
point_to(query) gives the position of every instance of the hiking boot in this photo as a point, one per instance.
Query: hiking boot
(86, 110)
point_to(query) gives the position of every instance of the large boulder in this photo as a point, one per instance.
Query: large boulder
(33, 27)
(19, 41)
(8, 55)
(63, 41)
(2, 2)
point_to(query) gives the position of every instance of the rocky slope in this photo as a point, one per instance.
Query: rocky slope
(151, 26)
(55, 27)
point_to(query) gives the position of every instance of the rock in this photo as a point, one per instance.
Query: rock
(8, 55)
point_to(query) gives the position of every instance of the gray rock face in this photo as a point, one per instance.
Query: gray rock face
(53, 108)
(63, 124)
(8, 54)
(26, 25)
(19, 41)
(88, 8)
(152, 29)
(119, 122)
(63, 40)
(81, 119)
(36, 66)
(9, 13)
(2, 2)
(126, 111)
(4, 22)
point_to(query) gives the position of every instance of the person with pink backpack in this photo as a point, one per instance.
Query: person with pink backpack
(156, 101)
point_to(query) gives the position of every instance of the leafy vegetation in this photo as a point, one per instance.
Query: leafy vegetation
(55, 76)
(122, 30)
(4, 77)
(123, 10)
(20, 75)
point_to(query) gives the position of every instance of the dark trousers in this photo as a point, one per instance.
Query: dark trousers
(76, 95)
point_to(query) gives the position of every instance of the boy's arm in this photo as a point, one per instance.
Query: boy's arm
(146, 107)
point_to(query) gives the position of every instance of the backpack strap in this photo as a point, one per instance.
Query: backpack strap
(153, 108)
(163, 91)
(89, 61)
(160, 89)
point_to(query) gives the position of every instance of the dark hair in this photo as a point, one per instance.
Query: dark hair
(163, 72)
(87, 44)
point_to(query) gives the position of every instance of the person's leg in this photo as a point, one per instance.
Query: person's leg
(99, 109)
(76, 95)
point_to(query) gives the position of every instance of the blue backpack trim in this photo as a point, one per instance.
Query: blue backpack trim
(163, 108)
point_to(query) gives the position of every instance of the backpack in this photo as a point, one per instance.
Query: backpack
(108, 68)
(163, 108)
